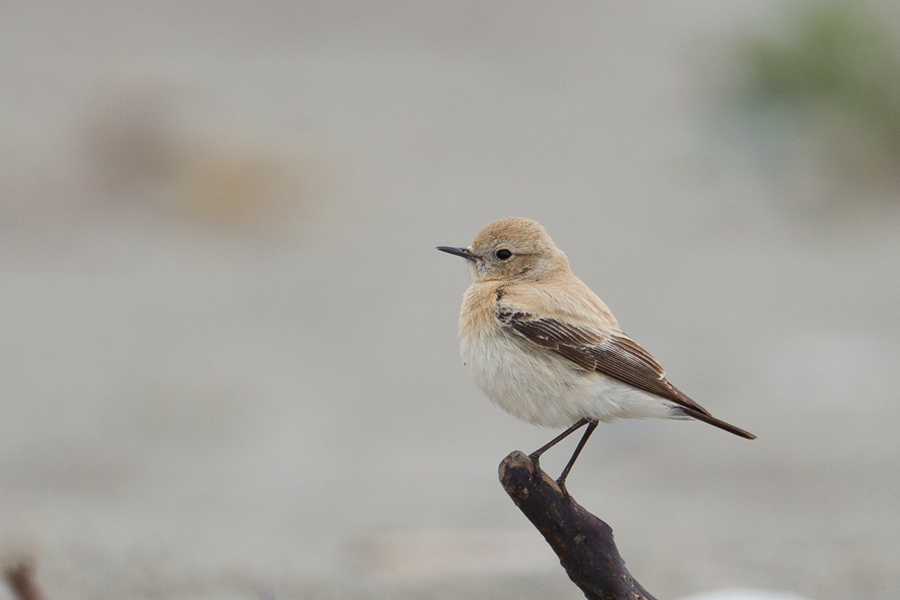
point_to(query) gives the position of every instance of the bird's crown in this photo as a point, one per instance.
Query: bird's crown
(521, 235)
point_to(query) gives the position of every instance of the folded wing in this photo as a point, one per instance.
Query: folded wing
(609, 352)
(612, 353)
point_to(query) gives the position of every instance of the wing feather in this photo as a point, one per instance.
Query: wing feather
(611, 353)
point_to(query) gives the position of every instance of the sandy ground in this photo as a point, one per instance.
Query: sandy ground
(193, 409)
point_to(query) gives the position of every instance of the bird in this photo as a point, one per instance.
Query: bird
(547, 350)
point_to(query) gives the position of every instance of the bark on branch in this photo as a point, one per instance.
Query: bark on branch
(583, 543)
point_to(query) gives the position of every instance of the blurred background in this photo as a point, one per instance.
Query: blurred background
(229, 356)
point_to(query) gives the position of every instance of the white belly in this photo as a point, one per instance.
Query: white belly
(545, 389)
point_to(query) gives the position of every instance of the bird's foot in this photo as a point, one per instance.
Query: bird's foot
(535, 459)
(561, 483)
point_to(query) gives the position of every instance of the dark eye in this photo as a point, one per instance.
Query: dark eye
(502, 253)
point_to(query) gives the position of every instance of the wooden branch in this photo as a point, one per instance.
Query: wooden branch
(583, 543)
(19, 575)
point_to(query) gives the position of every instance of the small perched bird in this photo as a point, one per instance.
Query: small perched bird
(547, 350)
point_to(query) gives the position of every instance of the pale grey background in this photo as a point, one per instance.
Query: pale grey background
(278, 410)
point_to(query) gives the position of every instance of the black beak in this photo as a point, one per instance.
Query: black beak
(464, 252)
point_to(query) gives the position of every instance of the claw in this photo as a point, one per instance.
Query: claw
(536, 461)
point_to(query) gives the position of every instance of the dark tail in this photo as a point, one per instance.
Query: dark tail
(718, 423)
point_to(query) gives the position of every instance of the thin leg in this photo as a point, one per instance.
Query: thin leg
(536, 455)
(561, 482)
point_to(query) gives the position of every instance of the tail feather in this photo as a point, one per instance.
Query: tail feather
(707, 418)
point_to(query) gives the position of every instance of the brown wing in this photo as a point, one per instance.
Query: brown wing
(611, 353)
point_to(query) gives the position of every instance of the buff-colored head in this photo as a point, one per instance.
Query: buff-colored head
(513, 249)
